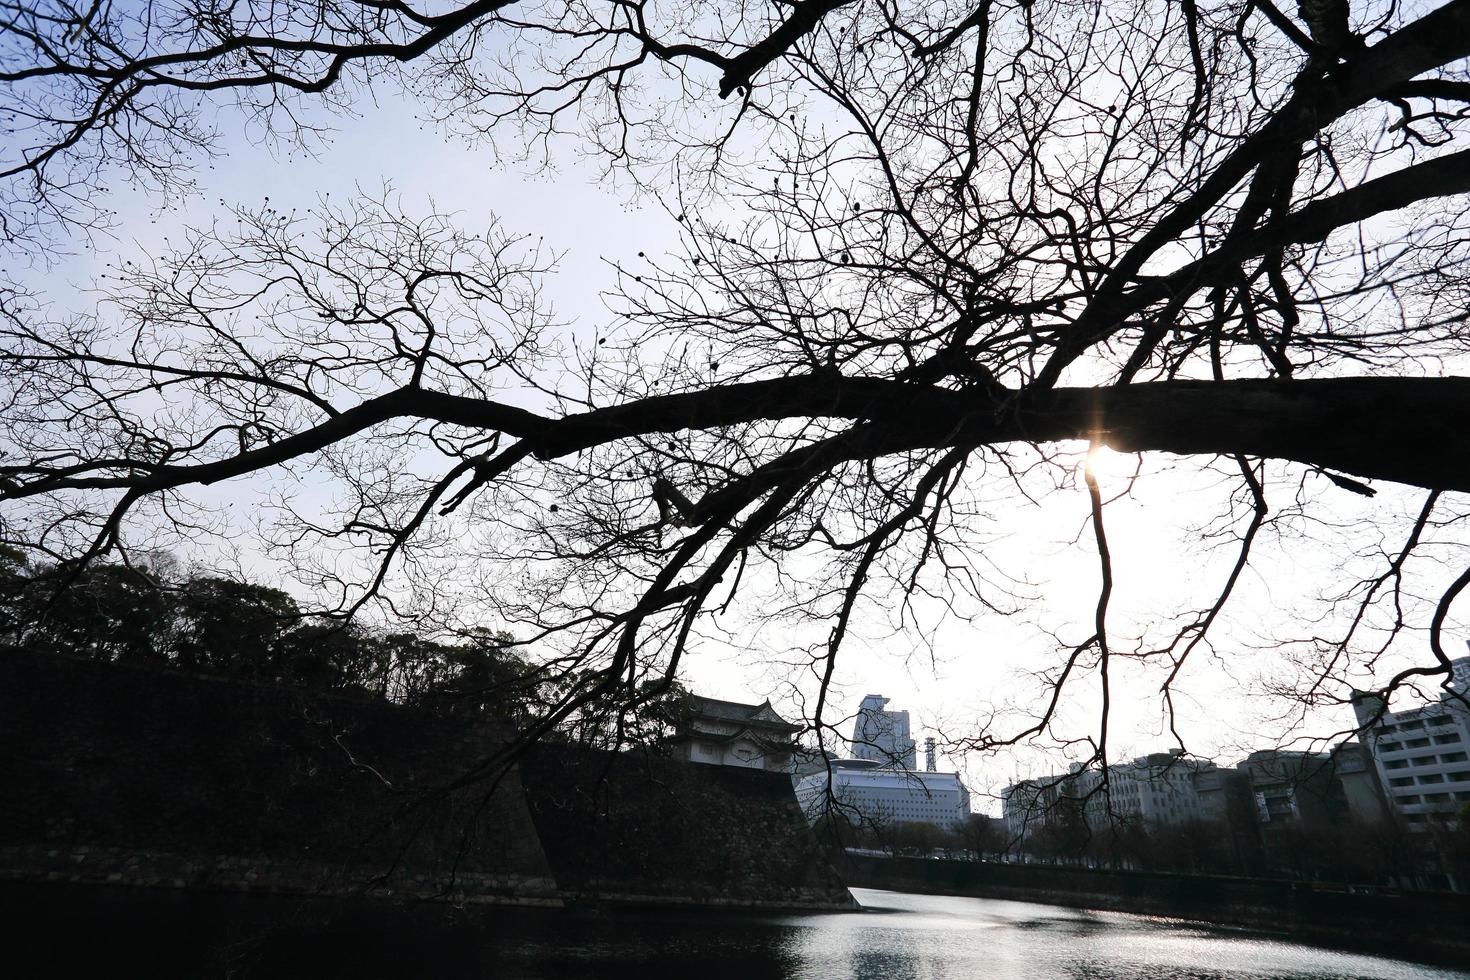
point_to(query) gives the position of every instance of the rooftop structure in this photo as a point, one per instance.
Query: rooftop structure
(729, 733)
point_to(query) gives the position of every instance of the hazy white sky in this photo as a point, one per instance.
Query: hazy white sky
(954, 676)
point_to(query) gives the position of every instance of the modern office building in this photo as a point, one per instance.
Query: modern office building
(1029, 805)
(868, 793)
(1156, 789)
(1226, 802)
(882, 736)
(1362, 790)
(1256, 811)
(1311, 790)
(1422, 754)
(1224, 795)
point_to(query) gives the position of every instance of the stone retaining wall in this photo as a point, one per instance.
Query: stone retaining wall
(123, 776)
(638, 829)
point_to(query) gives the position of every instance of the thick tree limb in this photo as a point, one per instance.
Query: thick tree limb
(803, 20)
(1355, 425)
(1406, 430)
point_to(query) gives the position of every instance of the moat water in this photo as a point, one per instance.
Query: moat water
(897, 937)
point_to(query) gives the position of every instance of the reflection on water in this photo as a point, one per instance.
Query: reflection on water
(920, 937)
(929, 936)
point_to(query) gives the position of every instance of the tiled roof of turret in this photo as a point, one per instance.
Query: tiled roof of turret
(754, 715)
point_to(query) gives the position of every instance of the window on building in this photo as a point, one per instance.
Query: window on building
(1416, 743)
(1438, 720)
(1448, 738)
(1410, 798)
(1436, 797)
(1432, 777)
(1402, 781)
(1396, 764)
(1452, 757)
(1389, 746)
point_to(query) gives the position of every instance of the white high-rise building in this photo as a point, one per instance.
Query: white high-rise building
(1422, 754)
(882, 736)
(1155, 790)
(867, 793)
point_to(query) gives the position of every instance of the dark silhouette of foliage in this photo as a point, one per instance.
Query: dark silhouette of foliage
(958, 240)
(212, 625)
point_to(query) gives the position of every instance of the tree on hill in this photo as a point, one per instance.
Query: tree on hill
(957, 238)
(233, 625)
(213, 625)
(110, 612)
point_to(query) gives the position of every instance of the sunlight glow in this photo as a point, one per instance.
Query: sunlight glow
(1111, 467)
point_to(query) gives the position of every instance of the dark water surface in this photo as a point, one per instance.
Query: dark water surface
(898, 937)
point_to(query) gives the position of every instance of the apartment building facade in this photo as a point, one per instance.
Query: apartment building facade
(1422, 754)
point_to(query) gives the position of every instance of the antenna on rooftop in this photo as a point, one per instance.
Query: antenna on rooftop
(929, 754)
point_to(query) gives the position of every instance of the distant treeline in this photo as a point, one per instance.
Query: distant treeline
(208, 624)
(219, 626)
(1433, 856)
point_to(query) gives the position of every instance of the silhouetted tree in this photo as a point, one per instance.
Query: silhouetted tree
(982, 835)
(964, 236)
(214, 625)
(918, 837)
(109, 612)
(231, 627)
